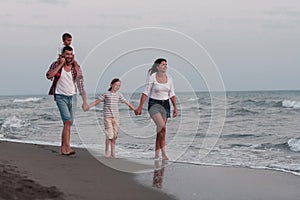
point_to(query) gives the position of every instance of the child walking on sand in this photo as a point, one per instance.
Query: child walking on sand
(111, 98)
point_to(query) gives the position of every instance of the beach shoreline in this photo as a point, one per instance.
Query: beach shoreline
(84, 177)
(76, 177)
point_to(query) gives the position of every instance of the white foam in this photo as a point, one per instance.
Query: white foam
(31, 99)
(193, 99)
(291, 104)
(14, 122)
(294, 144)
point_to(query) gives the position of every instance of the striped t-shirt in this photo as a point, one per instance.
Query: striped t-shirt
(111, 101)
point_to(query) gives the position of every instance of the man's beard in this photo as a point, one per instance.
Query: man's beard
(69, 60)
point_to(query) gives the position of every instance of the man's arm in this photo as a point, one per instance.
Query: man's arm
(54, 68)
(80, 86)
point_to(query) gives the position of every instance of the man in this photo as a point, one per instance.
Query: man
(66, 73)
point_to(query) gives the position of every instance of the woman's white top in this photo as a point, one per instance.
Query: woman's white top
(65, 84)
(159, 91)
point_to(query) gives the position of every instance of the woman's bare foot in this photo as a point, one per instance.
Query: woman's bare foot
(165, 157)
(113, 156)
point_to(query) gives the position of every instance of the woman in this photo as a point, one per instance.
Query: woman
(160, 89)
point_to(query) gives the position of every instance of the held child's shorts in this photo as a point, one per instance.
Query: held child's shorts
(111, 125)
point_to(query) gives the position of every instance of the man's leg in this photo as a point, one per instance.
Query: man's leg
(64, 105)
(65, 140)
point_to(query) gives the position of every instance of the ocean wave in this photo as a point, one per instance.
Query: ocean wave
(291, 104)
(241, 112)
(294, 144)
(239, 135)
(14, 122)
(271, 146)
(31, 99)
(193, 99)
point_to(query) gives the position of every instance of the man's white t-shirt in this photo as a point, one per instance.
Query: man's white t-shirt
(65, 84)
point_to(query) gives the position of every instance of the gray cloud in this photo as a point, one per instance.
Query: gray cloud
(54, 2)
(284, 12)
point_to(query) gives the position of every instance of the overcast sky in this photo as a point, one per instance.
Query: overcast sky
(254, 43)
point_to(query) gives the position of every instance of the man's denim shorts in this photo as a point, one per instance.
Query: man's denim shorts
(66, 106)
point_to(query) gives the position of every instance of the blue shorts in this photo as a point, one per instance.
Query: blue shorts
(66, 106)
(159, 106)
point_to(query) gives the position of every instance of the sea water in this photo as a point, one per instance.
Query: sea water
(261, 128)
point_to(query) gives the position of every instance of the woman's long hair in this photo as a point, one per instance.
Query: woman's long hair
(112, 82)
(156, 63)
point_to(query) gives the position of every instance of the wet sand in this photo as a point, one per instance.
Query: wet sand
(40, 172)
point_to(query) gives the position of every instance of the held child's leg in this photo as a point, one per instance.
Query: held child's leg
(113, 148)
(114, 140)
(108, 133)
(107, 143)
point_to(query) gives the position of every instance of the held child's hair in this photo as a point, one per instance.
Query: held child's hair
(156, 63)
(66, 36)
(112, 82)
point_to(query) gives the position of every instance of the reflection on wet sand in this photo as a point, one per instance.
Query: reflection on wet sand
(158, 174)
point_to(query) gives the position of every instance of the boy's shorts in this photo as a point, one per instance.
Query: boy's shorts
(111, 127)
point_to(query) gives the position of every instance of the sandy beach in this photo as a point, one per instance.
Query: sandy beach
(40, 172)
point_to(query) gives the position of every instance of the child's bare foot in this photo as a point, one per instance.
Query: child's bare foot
(107, 155)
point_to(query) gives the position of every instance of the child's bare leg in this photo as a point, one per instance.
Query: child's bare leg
(113, 148)
(107, 143)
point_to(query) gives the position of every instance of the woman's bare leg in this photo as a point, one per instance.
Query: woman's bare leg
(160, 142)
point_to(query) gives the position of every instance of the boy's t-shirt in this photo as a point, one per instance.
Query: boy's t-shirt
(60, 48)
